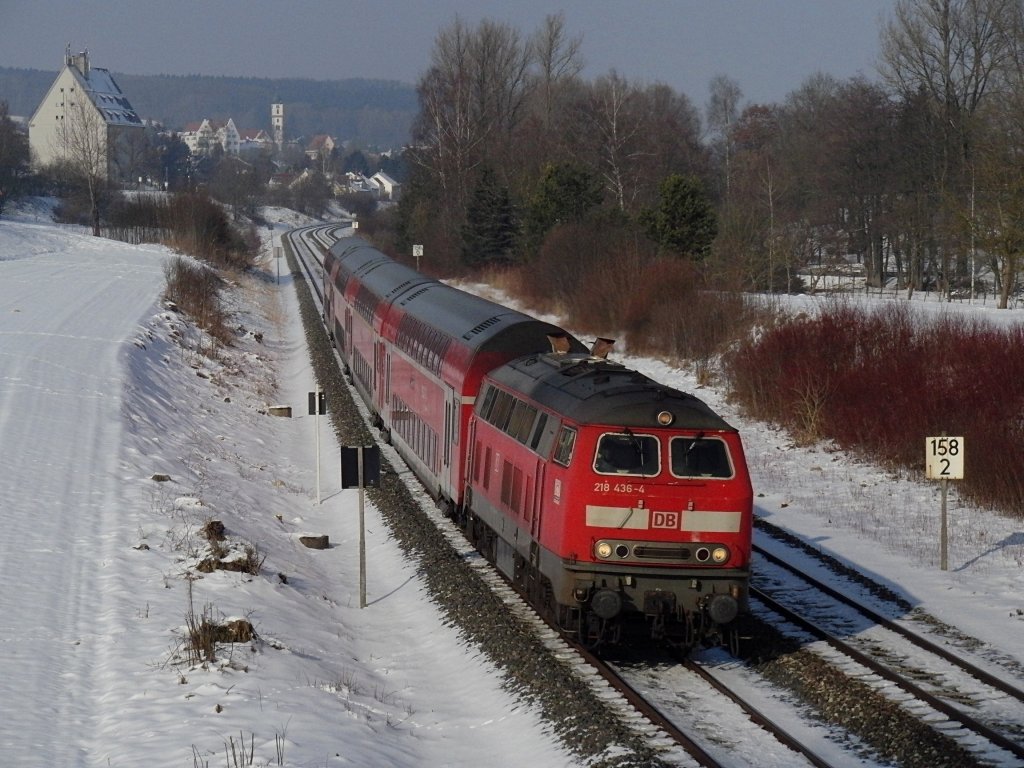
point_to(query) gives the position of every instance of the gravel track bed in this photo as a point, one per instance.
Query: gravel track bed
(902, 607)
(586, 724)
(878, 722)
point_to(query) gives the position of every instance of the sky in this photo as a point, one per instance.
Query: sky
(102, 387)
(769, 47)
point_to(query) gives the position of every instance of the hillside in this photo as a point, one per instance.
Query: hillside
(373, 113)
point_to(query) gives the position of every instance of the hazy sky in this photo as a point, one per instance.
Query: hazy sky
(769, 46)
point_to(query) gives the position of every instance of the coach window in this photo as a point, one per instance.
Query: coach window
(564, 445)
(700, 457)
(627, 454)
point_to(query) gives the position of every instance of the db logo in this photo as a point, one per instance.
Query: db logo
(665, 519)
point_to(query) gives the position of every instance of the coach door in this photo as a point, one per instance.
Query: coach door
(347, 347)
(379, 379)
(450, 449)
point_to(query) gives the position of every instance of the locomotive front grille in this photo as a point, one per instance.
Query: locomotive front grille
(661, 552)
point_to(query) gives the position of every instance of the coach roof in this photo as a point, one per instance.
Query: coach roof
(474, 321)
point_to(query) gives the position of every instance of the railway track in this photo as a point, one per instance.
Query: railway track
(305, 244)
(965, 701)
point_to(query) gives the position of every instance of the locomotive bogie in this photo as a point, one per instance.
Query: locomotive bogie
(717, 596)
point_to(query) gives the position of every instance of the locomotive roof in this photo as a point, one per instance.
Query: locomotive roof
(475, 321)
(594, 390)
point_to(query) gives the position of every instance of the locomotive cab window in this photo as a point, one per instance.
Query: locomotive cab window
(564, 445)
(700, 457)
(627, 454)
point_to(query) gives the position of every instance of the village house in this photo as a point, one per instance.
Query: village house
(85, 118)
(320, 147)
(255, 140)
(386, 187)
(202, 137)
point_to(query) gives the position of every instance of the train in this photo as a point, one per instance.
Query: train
(619, 506)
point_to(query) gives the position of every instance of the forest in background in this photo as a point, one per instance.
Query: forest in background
(637, 214)
(370, 113)
(913, 178)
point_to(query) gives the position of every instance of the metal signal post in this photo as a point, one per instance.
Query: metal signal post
(360, 468)
(317, 408)
(944, 461)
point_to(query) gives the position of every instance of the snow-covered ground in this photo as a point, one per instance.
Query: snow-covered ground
(102, 389)
(97, 397)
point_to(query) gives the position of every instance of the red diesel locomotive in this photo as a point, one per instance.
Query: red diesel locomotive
(605, 497)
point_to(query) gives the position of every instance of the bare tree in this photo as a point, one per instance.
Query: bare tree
(444, 134)
(471, 101)
(949, 48)
(558, 61)
(721, 113)
(954, 52)
(83, 146)
(14, 158)
(609, 117)
(501, 62)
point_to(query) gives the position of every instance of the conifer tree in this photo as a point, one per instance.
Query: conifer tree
(489, 233)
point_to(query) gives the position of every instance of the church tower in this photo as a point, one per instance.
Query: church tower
(277, 124)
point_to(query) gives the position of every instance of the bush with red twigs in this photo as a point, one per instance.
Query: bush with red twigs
(880, 382)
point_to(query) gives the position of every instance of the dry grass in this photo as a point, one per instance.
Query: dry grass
(195, 288)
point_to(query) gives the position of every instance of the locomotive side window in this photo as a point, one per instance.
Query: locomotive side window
(487, 404)
(502, 410)
(564, 445)
(700, 457)
(627, 454)
(523, 416)
(538, 433)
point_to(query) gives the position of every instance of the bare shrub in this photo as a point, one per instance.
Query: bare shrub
(190, 222)
(213, 530)
(195, 288)
(587, 272)
(250, 561)
(136, 220)
(199, 226)
(880, 382)
(204, 634)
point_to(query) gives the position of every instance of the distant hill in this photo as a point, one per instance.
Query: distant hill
(373, 113)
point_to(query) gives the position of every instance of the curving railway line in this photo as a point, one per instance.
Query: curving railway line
(962, 700)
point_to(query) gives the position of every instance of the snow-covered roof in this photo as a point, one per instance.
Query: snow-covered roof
(105, 94)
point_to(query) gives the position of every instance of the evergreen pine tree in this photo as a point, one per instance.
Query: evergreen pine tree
(489, 234)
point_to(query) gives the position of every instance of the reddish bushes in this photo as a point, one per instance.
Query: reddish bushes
(670, 311)
(609, 281)
(586, 272)
(881, 382)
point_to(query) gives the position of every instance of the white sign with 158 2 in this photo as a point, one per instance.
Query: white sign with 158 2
(944, 458)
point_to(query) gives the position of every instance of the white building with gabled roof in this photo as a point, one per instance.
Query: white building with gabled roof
(84, 104)
(386, 187)
(203, 136)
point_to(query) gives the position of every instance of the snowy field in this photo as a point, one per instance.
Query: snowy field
(102, 389)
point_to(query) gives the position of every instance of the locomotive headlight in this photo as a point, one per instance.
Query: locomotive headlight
(665, 418)
(603, 550)
(719, 555)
